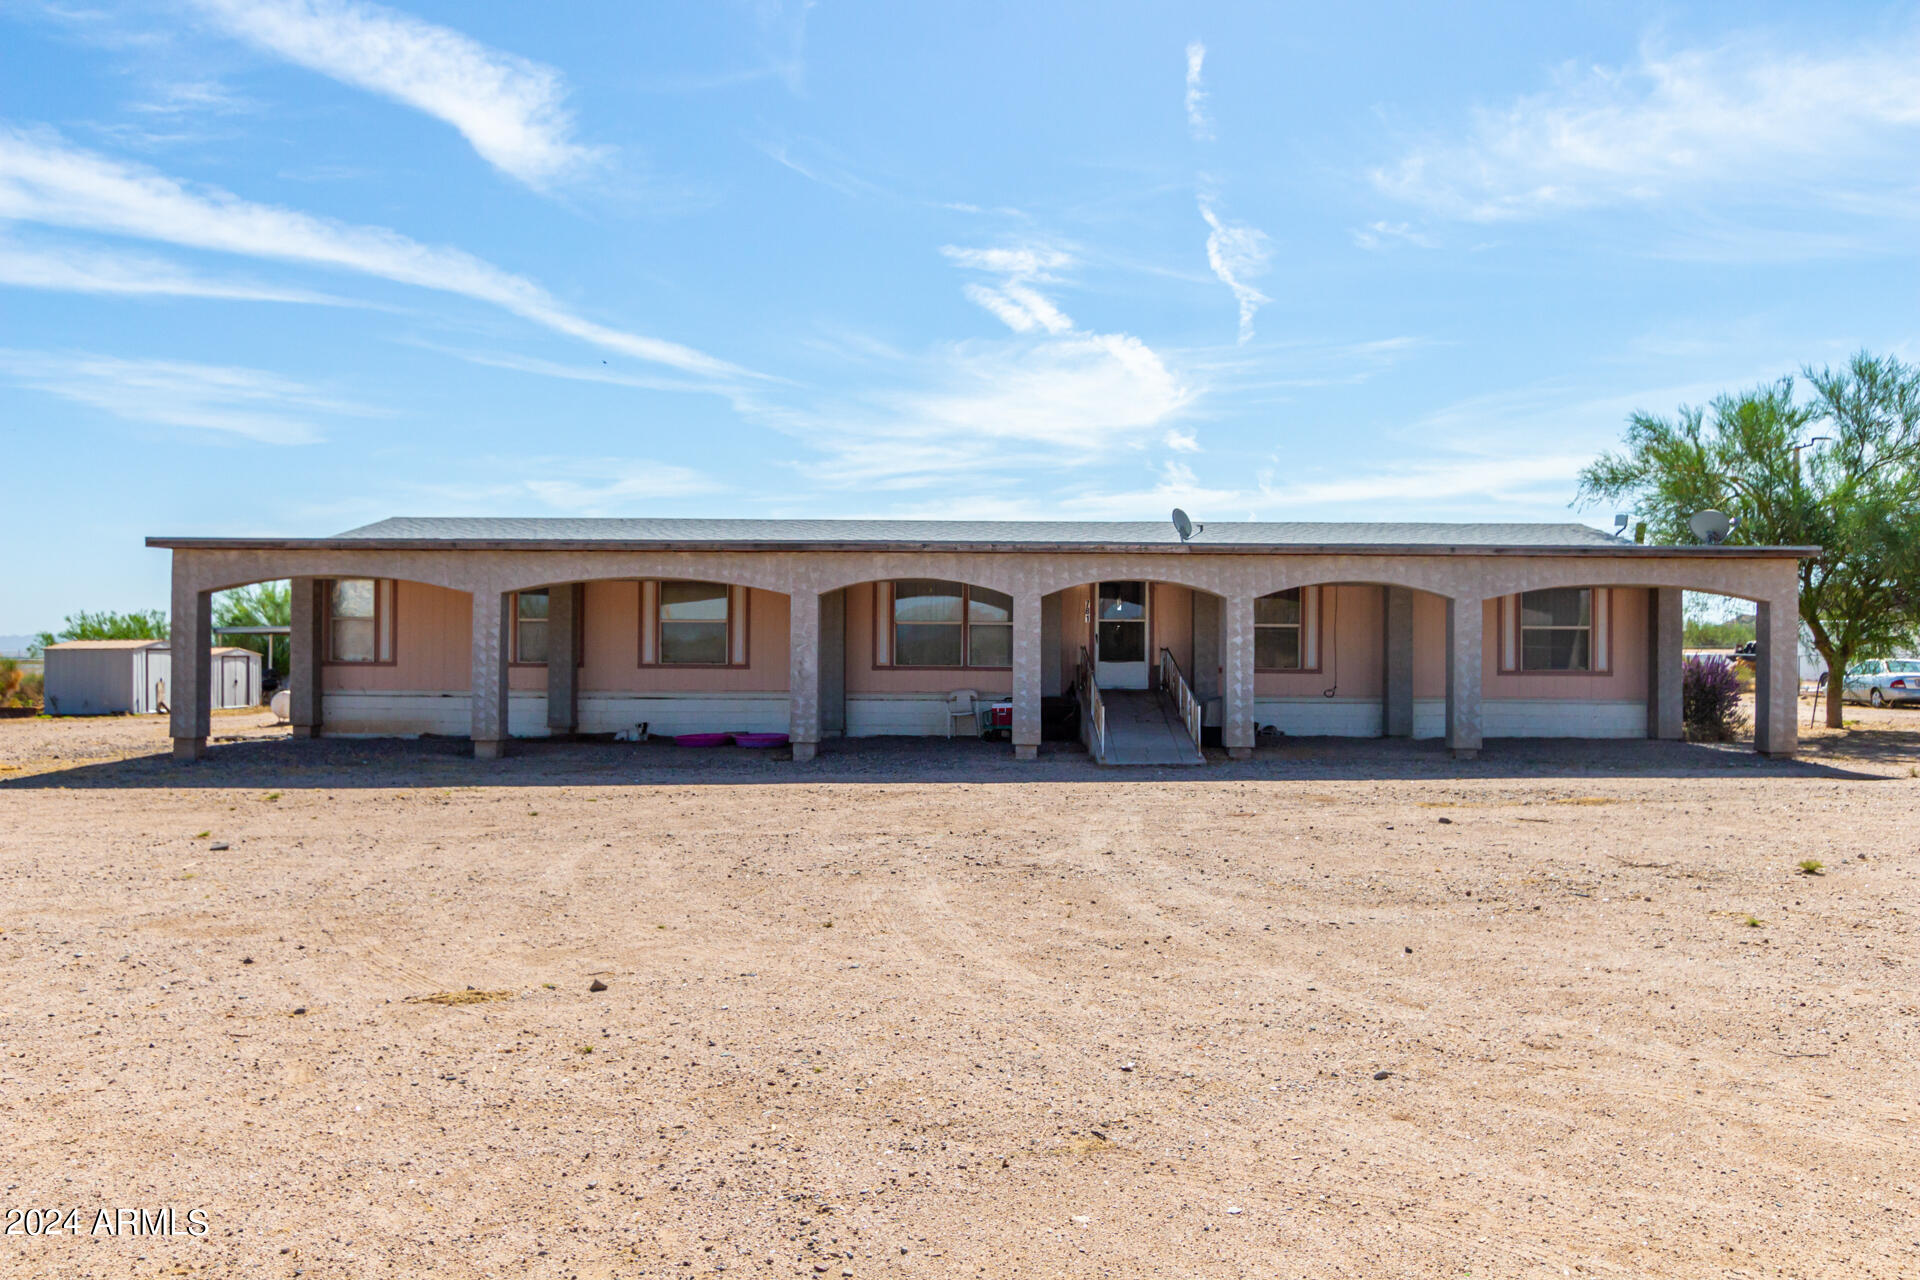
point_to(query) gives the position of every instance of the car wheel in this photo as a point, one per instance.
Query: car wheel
(1876, 699)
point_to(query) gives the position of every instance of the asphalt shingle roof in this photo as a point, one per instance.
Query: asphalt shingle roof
(1092, 534)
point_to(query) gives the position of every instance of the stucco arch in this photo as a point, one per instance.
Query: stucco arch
(993, 572)
(1216, 575)
(1747, 579)
(1433, 575)
(228, 570)
(527, 571)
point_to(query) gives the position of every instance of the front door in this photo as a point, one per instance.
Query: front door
(1120, 636)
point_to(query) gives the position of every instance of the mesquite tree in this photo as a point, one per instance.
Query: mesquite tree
(1839, 470)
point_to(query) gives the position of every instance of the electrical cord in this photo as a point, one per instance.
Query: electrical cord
(1334, 688)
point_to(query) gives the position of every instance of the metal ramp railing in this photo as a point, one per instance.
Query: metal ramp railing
(1174, 682)
(1093, 709)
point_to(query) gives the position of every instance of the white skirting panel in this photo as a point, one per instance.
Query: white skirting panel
(408, 714)
(393, 714)
(1539, 718)
(1321, 717)
(1562, 718)
(683, 712)
(875, 715)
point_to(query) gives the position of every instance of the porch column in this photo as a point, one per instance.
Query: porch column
(833, 664)
(304, 651)
(1029, 632)
(1052, 681)
(1776, 686)
(1664, 643)
(487, 700)
(565, 603)
(1236, 715)
(803, 672)
(1396, 694)
(190, 684)
(1465, 621)
(1206, 647)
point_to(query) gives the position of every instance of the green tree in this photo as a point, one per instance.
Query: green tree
(1840, 471)
(1702, 633)
(264, 604)
(139, 624)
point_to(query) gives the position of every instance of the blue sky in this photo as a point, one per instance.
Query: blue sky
(293, 265)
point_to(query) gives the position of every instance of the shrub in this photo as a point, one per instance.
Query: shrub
(19, 688)
(1710, 700)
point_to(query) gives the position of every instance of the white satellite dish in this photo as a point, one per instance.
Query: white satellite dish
(1710, 526)
(1184, 526)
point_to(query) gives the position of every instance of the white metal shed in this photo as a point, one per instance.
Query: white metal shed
(112, 677)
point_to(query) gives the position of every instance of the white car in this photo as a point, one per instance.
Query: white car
(1882, 682)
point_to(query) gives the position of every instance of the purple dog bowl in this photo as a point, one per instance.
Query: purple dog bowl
(759, 739)
(702, 739)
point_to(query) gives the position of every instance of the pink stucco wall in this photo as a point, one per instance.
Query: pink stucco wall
(433, 642)
(864, 677)
(1627, 649)
(1627, 679)
(432, 632)
(1352, 654)
(432, 646)
(612, 648)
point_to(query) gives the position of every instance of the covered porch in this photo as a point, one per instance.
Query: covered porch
(806, 633)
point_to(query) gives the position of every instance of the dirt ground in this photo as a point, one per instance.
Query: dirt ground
(915, 1009)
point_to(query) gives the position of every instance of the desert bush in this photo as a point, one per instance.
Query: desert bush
(1710, 700)
(19, 688)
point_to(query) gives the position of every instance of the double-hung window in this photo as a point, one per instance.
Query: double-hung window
(1556, 629)
(359, 624)
(1278, 624)
(693, 624)
(530, 626)
(950, 624)
(1286, 630)
(989, 628)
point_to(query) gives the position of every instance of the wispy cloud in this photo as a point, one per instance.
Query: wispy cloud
(1015, 300)
(1379, 235)
(74, 269)
(823, 166)
(571, 372)
(1181, 441)
(1743, 118)
(1197, 122)
(510, 109)
(1008, 407)
(45, 181)
(1048, 396)
(783, 38)
(608, 486)
(1238, 254)
(184, 97)
(1468, 480)
(251, 403)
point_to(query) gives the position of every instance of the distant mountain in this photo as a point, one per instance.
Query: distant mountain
(14, 646)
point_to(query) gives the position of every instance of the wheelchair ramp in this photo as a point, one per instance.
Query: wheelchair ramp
(1143, 728)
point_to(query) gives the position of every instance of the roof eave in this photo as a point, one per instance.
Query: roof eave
(996, 548)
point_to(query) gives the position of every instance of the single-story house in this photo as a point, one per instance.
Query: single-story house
(116, 677)
(505, 628)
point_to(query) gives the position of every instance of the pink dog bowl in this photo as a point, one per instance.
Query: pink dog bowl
(702, 739)
(759, 739)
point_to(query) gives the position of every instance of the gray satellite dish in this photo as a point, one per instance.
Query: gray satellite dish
(1185, 527)
(1710, 526)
